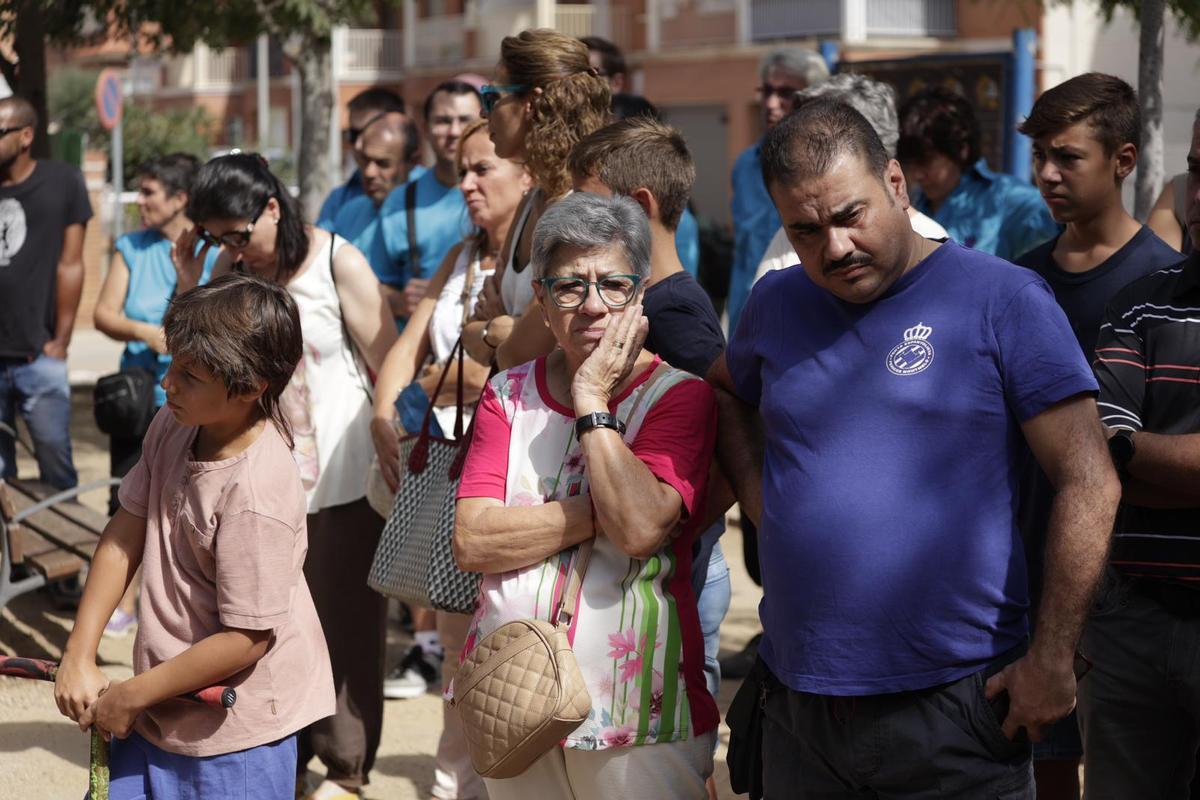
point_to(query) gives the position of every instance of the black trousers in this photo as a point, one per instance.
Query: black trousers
(942, 742)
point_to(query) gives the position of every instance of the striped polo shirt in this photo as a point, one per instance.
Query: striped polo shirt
(1148, 366)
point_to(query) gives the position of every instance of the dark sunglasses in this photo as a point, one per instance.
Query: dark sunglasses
(490, 94)
(785, 93)
(7, 131)
(234, 240)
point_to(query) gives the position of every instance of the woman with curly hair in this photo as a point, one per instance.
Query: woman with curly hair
(546, 97)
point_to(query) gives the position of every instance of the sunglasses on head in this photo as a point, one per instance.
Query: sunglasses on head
(490, 94)
(235, 239)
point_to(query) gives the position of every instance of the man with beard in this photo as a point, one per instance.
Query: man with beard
(44, 210)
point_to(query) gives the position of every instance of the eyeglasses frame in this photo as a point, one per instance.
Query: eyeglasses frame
(219, 241)
(548, 285)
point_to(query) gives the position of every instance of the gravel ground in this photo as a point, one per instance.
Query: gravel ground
(44, 755)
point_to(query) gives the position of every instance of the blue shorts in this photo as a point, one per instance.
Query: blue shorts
(140, 771)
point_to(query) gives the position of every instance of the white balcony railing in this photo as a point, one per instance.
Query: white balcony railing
(439, 40)
(369, 54)
(574, 19)
(228, 67)
(910, 18)
(789, 19)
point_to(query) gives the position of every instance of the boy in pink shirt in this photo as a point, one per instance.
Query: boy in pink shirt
(215, 513)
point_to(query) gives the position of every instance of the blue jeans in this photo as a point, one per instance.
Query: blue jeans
(140, 771)
(713, 602)
(39, 390)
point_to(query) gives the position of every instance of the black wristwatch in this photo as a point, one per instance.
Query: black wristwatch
(598, 419)
(1122, 448)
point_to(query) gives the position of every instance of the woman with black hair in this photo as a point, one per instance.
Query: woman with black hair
(239, 206)
(133, 298)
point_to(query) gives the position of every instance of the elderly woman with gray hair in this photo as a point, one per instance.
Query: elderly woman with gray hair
(599, 441)
(877, 102)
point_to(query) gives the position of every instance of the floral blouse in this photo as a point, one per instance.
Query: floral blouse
(636, 631)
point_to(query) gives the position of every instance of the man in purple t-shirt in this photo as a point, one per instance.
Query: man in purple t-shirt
(898, 383)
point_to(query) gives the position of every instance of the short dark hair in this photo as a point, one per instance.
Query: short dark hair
(625, 105)
(175, 171)
(612, 60)
(377, 99)
(937, 120)
(238, 186)
(1108, 104)
(244, 330)
(639, 152)
(806, 142)
(451, 87)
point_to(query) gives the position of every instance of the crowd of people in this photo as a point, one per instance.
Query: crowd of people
(957, 413)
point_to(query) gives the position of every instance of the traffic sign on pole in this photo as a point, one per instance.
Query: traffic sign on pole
(109, 98)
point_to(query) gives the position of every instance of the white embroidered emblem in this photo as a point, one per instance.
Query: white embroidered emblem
(914, 354)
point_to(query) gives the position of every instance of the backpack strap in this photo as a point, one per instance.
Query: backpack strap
(410, 214)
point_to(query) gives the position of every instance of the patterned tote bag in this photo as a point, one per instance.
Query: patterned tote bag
(414, 561)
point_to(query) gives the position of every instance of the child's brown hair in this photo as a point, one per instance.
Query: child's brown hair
(244, 330)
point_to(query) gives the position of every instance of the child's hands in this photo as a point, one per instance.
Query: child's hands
(113, 712)
(77, 686)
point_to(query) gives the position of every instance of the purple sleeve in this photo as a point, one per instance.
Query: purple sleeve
(1040, 360)
(743, 355)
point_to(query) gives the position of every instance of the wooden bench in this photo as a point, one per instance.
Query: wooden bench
(45, 531)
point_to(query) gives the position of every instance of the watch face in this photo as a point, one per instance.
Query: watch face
(1120, 446)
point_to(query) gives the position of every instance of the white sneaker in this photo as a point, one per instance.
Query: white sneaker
(417, 674)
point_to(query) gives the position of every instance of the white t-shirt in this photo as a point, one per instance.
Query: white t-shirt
(780, 254)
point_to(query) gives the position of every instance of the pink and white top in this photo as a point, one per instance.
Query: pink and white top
(636, 632)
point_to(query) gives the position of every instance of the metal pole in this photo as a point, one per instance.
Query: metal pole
(118, 175)
(264, 91)
(1019, 149)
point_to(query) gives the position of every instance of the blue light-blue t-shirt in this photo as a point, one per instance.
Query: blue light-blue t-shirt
(993, 212)
(441, 217)
(687, 242)
(755, 221)
(337, 199)
(350, 190)
(891, 559)
(358, 223)
(152, 277)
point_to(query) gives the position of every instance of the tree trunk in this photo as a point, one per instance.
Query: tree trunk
(1150, 92)
(30, 44)
(314, 63)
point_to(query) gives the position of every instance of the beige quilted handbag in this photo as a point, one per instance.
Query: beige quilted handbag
(520, 692)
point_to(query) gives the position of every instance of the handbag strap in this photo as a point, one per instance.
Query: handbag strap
(565, 610)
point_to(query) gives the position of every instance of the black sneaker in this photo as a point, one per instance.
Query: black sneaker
(417, 674)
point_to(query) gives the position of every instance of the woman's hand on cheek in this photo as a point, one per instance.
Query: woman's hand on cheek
(189, 265)
(612, 361)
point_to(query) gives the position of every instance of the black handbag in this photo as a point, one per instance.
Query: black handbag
(124, 402)
(745, 719)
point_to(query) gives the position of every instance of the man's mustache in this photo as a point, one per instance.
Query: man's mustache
(852, 260)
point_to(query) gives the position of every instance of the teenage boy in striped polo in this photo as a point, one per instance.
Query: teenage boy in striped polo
(1139, 707)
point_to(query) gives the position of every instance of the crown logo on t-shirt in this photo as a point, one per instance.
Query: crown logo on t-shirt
(918, 331)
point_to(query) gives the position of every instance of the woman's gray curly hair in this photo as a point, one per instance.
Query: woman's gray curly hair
(590, 221)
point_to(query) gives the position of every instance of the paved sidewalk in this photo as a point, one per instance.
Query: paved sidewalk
(91, 356)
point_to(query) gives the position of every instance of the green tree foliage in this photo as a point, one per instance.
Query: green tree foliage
(147, 133)
(1186, 13)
